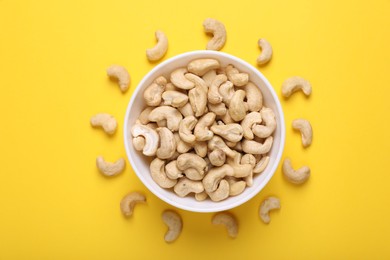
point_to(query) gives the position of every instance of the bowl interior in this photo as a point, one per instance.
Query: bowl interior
(140, 163)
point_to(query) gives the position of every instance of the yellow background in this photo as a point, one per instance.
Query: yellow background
(55, 205)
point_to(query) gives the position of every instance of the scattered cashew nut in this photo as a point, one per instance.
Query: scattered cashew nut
(129, 201)
(296, 83)
(121, 74)
(106, 121)
(306, 130)
(159, 50)
(175, 224)
(266, 206)
(266, 51)
(295, 176)
(219, 34)
(108, 168)
(228, 220)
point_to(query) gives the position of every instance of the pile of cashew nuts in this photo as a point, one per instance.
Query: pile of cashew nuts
(207, 128)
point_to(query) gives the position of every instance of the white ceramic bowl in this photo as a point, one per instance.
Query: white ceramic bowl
(140, 163)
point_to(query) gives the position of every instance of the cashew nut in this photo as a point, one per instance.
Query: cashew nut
(213, 95)
(253, 147)
(237, 108)
(215, 175)
(295, 176)
(175, 224)
(171, 114)
(221, 193)
(201, 148)
(306, 131)
(201, 196)
(157, 171)
(227, 119)
(172, 171)
(108, 168)
(186, 110)
(167, 143)
(248, 122)
(151, 138)
(217, 143)
(296, 83)
(139, 143)
(174, 98)
(227, 91)
(185, 129)
(228, 220)
(186, 186)
(181, 147)
(266, 51)
(266, 206)
(152, 93)
(129, 201)
(254, 97)
(197, 95)
(268, 117)
(106, 121)
(240, 170)
(217, 157)
(236, 186)
(192, 165)
(179, 80)
(237, 78)
(209, 76)
(201, 130)
(248, 159)
(216, 28)
(230, 132)
(218, 109)
(143, 117)
(159, 50)
(261, 165)
(121, 74)
(202, 66)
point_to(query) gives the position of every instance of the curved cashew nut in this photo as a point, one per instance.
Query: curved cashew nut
(253, 147)
(218, 109)
(202, 66)
(174, 98)
(248, 159)
(236, 187)
(230, 132)
(201, 130)
(106, 121)
(185, 129)
(217, 157)
(143, 117)
(219, 34)
(228, 220)
(237, 108)
(197, 95)
(167, 143)
(215, 175)
(213, 95)
(266, 206)
(159, 50)
(295, 176)
(237, 78)
(139, 143)
(172, 171)
(157, 171)
(192, 164)
(248, 122)
(261, 165)
(186, 186)
(306, 130)
(172, 115)
(151, 138)
(181, 147)
(266, 51)
(209, 76)
(254, 97)
(201, 148)
(268, 117)
(227, 91)
(129, 201)
(217, 143)
(227, 119)
(152, 93)
(240, 170)
(121, 74)
(296, 83)
(174, 223)
(201, 196)
(108, 168)
(221, 193)
(186, 110)
(179, 80)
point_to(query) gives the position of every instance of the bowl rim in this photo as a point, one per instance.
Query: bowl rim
(278, 107)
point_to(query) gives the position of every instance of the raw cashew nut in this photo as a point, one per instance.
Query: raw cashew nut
(129, 201)
(266, 206)
(167, 143)
(139, 143)
(159, 50)
(253, 147)
(143, 117)
(201, 148)
(240, 170)
(201, 196)
(186, 110)
(202, 66)
(151, 138)
(174, 223)
(218, 109)
(108, 168)
(215, 175)
(295, 176)
(157, 171)
(219, 34)
(121, 74)
(248, 122)
(268, 117)
(261, 165)
(230, 132)
(197, 95)
(186, 186)
(179, 80)
(153, 93)
(248, 159)
(227, 119)
(254, 97)
(226, 90)
(174, 98)
(236, 186)
(209, 76)
(217, 143)
(213, 95)
(228, 220)
(237, 108)
(201, 130)
(106, 121)
(185, 129)
(221, 193)
(266, 51)
(237, 78)
(181, 147)
(172, 171)
(192, 165)
(217, 157)
(306, 131)
(296, 83)
(171, 114)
